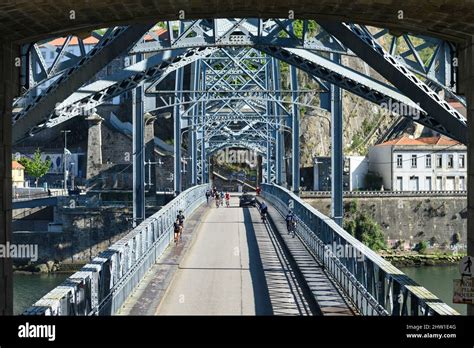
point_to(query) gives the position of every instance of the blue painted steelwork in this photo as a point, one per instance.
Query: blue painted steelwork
(375, 286)
(138, 155)
(295, 129)
(337, 155)
(194, 123)
(442, 117)
(273, 35)
(279, 145)
(102, 286)
(37, 109)
(177, 134)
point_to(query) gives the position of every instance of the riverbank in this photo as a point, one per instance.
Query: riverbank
(49, 267)
(414, 259)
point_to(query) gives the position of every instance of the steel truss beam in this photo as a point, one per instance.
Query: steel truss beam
(442, 117)
(40, 109)
(366, 88)
(407, 50)
(412, 51)
(89, 97)
(352, 81)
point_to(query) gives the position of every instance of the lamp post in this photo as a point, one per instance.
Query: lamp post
(64, 157)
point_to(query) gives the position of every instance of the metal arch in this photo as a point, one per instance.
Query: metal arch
(119, 41)
(355, 82)
(311, 36)
(237, 144)
(33, 60)
(442, 117)
(240, 32)
(366, 88)
(87, 98)
(304, 98)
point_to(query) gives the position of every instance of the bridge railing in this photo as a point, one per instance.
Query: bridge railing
(102, 286)
(375, 286)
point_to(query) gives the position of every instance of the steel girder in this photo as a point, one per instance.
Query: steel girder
(237, 70)
(409, 50)
(321, 67)
(230, 122)
(37, 71)
(368, 89)
(412, 51)
(88, 97)
(440, 115)
(39, 110)
(240, 32)
(259, 147)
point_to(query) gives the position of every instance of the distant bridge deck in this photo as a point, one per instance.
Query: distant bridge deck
(230, 263)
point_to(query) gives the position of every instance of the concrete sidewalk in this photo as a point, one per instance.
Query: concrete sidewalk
(149, 293)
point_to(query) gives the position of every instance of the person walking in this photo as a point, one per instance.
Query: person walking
(217, 198)
(177, 231)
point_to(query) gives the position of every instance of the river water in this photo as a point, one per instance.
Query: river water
(438, 280)
(28, 288)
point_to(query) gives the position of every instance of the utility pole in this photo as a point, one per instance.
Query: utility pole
(64, 158)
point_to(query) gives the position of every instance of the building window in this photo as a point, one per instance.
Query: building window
(462, 183)
(439, 183)
(439, 161)
(399, 161)
(413, 161)
(450, 161)
(428, 184)
(428, 161)
(462, 162)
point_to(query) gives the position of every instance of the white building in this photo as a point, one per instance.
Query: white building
(421, 164)
(357, 168)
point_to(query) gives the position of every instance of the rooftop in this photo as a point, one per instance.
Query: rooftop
(16, 165)
(407, 141)
(91, 40)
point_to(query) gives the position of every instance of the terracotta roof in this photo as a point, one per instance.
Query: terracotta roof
(92, 40)
(16, 165)
(438, 140)
(458, 107)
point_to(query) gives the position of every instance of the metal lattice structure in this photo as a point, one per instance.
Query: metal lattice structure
(229, 93)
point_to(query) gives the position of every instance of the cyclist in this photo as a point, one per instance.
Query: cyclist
(177, 231)
(227, 199)
(291, 222)
(263, 210)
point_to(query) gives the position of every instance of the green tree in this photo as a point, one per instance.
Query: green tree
(36, 167)
(364, 228)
